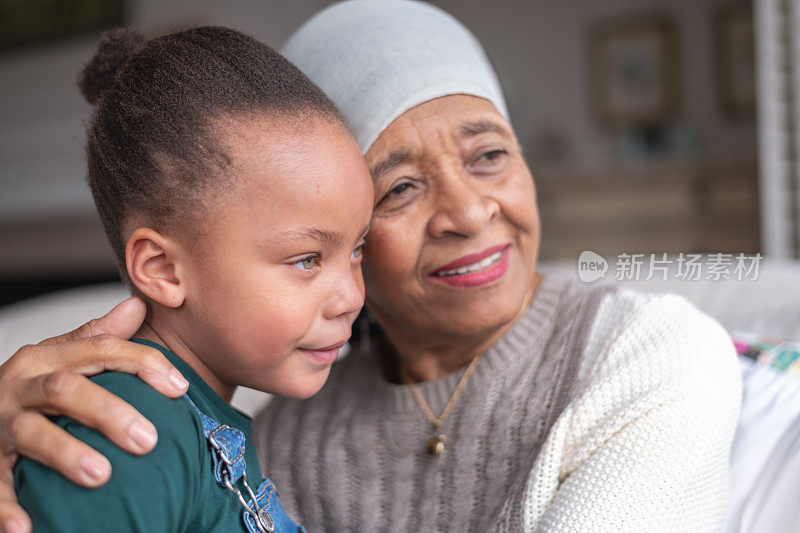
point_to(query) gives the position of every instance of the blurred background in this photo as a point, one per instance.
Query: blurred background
(650, 125)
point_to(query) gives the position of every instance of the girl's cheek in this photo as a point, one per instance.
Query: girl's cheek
(277, 337)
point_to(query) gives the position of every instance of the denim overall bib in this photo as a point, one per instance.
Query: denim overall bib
(261, 512)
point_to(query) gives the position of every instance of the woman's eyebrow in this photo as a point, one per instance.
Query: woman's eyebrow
(469, 129)
(398, 157)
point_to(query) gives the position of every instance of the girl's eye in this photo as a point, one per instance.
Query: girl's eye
(358, 251)
(307, 263)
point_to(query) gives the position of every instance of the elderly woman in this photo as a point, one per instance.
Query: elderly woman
(490, 398)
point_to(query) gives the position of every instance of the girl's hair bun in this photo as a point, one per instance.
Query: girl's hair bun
(115, 48)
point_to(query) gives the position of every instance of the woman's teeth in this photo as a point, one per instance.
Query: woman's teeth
(475, 267)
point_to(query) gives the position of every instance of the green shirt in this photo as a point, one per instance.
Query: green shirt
(170, 489)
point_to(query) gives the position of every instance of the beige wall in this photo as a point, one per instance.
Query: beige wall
(538, 46)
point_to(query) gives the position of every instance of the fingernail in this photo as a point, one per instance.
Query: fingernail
(12, 525)
(142, 436)
(177, 380)
(93, 467)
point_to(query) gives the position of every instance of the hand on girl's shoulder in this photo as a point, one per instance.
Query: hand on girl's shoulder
(144, 493)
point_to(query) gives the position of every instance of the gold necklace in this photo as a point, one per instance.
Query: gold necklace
(435, 445)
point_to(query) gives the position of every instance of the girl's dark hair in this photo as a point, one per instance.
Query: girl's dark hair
(151, 146)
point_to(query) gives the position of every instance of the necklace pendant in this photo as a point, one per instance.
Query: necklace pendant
(436, 445)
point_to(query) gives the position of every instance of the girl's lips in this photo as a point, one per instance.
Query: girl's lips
(324, 356)
(492, 272)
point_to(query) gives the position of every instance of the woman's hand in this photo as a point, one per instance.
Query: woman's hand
(50, 378)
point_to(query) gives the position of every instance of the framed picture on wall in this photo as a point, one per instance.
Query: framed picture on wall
(634, 77)
(734, 59)
(31, 22)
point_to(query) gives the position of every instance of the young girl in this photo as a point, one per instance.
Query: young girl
(236, 203)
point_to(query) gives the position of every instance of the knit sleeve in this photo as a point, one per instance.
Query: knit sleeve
(644, 444)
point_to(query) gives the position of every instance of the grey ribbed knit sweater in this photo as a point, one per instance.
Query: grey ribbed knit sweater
(352, 458)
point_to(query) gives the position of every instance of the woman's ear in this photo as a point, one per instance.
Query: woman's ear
(153, 263)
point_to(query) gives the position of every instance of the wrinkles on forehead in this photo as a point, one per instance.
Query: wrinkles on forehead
(472, 128)
(466, 129)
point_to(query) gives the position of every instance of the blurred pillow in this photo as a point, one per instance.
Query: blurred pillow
(765, 455)
(35, 319)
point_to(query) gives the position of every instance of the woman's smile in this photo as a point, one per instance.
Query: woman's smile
(474, 270)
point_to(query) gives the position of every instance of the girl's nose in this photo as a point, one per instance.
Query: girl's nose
(348, 295)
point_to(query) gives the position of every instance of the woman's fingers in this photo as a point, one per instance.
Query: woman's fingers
(13, 518)
(102, 353)
(123, 322)
(67, 392)
(46, 378)
(90, 356)
(43, 441)
(98, 409)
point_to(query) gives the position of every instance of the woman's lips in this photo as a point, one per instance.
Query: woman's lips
(324, 356)
(470, 259)
(474, 270)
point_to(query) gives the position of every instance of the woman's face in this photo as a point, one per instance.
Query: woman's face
(455, 233)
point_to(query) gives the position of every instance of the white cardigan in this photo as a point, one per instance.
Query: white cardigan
(626, 452)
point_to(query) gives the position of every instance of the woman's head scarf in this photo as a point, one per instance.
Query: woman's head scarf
(376, 59)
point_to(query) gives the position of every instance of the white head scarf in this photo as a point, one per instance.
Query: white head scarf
(376, 59)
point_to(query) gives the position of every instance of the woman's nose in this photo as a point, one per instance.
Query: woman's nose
(348, 295)
(460, 206)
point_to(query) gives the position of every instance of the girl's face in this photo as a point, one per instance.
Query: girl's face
(274, 292)
(455, 235)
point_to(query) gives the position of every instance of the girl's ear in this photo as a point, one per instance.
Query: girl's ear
(153, 263)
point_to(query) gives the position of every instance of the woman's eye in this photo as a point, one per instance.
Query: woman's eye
(307, 263)
(489, 162)
(494, 155)
(399, 189)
